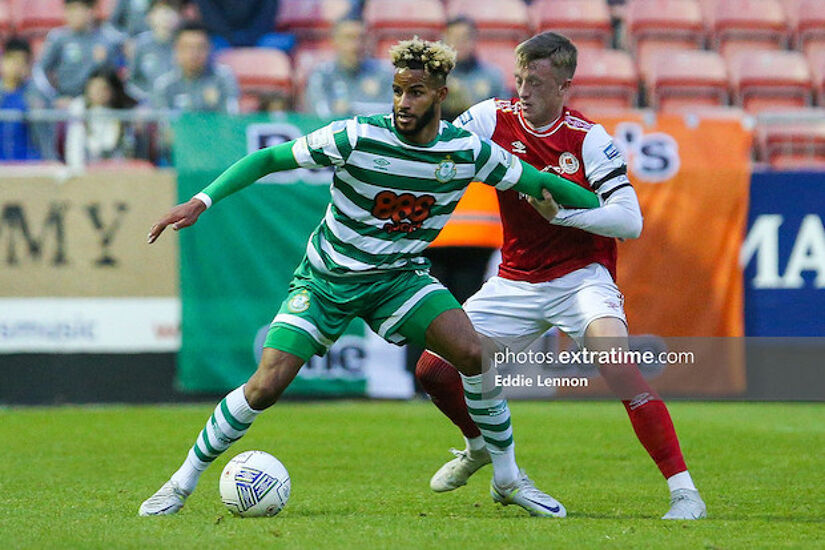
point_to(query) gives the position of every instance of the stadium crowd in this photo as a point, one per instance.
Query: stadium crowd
(80, 59)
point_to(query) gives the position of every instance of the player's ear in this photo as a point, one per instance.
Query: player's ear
(565, 86)
(442, 93)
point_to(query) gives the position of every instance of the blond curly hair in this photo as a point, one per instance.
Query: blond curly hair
(436, 59)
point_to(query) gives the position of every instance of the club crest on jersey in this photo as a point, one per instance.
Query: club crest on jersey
(299, 302)
(519, 148)
(568, 163)
(446, 170)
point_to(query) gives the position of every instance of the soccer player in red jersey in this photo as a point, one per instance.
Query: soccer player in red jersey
(557, 273)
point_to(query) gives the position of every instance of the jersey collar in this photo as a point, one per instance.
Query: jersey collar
(544, 131)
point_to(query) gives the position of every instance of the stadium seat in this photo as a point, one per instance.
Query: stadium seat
(504, 21)
(770, 80)
(104, 8)
(740, 25)
(687, 77)
(389, 21)
(793, 145)
(310, 20)
(304, 61)
(585, 22)
(605, 80)
(810, 25)
(37, 18)
(816, 61)
(502, 57)
(656, 25)
(5, 19)
(259, 69)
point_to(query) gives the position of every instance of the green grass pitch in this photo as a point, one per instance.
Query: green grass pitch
(73, 477)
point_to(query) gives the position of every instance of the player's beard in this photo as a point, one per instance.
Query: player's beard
(420, 121)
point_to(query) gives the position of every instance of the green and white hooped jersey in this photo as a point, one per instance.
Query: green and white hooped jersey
(390, 198)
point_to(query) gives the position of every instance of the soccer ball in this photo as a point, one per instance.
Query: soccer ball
(255, 484)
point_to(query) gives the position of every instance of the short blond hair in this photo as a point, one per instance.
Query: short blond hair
(549, 45)
(436, 58)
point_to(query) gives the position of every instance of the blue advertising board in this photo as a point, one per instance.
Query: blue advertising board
(784, 255)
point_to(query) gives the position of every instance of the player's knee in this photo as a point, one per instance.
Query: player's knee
(466, 356)
(270, 380)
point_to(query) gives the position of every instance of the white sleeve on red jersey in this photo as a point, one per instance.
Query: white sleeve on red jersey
(479, 119)
(604, 165)
(605, 169)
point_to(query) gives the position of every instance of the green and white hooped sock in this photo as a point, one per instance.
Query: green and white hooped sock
(229, 422)
(490, 412)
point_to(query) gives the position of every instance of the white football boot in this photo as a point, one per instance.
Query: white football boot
(456, 472)
(169, 499)
(523, 492)
(686, 504)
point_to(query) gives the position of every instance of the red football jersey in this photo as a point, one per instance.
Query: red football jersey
(576, 148)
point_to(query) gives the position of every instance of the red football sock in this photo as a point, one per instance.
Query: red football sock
(442, 381)
(649, 416)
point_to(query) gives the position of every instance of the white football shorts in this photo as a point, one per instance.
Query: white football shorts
(516, 313)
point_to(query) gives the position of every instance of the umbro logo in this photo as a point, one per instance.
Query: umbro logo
(381, 163)
(519, 148)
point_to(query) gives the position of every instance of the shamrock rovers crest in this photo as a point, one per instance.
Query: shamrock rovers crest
(299, 302)
(446, 170)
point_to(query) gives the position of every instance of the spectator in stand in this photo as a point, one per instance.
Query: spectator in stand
(352, 83)
(92, 135)
(195, 84)
(129, 17)
(153, 50)
(243, 24)
(72, 53)
(16, 94)
(472, 81)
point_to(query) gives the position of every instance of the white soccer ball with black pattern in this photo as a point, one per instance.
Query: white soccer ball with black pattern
(255, 484)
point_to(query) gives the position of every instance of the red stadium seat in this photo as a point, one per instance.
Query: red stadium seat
(793, 145)
(259, 69)
(37, 17)
(389, 21)
(656, 25)
(304, 61)
(497, 20)
(687, 77)
(816, 61)
(104, 8)
(604, 80)
(310, 20)
(770, 80)
(740, 25)
(585, 22)
(810, 27)
(503, 58)
(5, 19)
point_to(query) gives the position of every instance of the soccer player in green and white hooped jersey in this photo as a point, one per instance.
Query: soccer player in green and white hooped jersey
(397, 179)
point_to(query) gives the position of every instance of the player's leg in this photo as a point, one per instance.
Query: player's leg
(504, 311)
(306, 324)
(451, 335)
(649, 416)
(229, 422)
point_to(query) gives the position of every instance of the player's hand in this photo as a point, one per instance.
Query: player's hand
(548, 207)
(183, 215)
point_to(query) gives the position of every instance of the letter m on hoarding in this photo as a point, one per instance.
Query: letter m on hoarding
(18, 237)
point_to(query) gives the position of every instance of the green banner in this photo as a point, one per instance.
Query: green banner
(237, 261)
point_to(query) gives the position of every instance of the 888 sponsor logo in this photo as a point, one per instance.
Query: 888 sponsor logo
(405, 212)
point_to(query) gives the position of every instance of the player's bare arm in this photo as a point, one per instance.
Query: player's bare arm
(243, 173)
(182, 215)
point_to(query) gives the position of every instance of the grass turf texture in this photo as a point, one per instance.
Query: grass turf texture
(75, 476)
